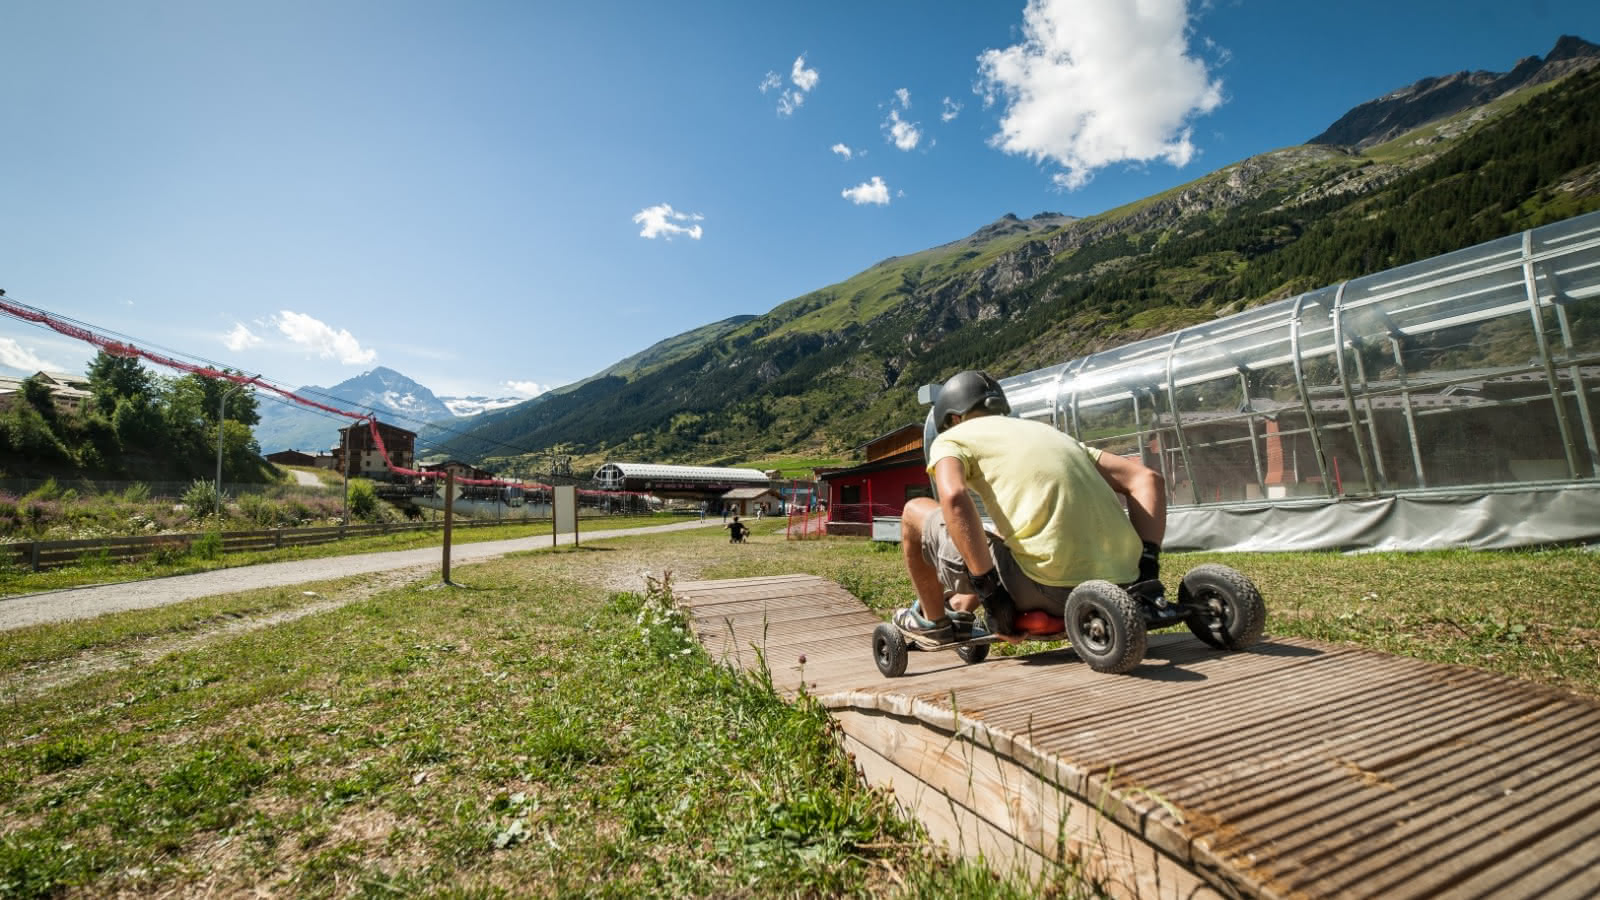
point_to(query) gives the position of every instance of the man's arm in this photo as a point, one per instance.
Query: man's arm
(961, 515)
(1146, 491)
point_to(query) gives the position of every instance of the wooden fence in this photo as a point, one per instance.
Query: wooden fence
(40, 555)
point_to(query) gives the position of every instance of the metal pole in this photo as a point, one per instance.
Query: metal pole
(222, 414)
(449, 513)
(349, 439)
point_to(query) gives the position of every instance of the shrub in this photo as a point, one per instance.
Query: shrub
(10, 516)
(363, 499)
(201, 498)
(138, 492)
(168, 552)
(259, 510)
(47, 491)
(208, 546)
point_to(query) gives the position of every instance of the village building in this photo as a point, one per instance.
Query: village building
(752, 501)
(291, 458)
(893, 473)
(457, 468)
(356, 445)
(68, 393)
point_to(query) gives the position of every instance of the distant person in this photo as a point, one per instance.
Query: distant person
(703, 505)
(1054, 504)
(724, 515)
(761, 513)
(736, 531)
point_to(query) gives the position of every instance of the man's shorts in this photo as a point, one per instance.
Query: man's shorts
(941, 553)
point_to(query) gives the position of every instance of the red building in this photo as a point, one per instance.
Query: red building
(893, 473)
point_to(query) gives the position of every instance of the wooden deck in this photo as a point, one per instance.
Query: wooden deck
(1297, 769)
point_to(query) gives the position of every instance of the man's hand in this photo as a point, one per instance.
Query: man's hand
(998, 607)
(1150, 562)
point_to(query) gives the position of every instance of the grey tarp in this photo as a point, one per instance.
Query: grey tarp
(1479, 519)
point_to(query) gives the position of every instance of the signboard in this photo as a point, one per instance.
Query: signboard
(566, 511)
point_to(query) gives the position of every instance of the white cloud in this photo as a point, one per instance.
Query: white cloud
(240, 338)
(805, 79)
(1097, 82)
(843, 150)
(15, 356)
(905, 135)
(951, 110)
(904, 96)
(322, 339)
(526, 388)
(658, 221)
(802, 78)
(874, 191)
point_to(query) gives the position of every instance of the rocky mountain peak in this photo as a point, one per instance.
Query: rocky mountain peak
(1431, 99)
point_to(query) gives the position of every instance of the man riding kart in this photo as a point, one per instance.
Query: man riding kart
(1054, 504)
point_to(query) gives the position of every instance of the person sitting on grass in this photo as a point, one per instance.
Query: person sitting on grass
(1054, 504)
(736, 531)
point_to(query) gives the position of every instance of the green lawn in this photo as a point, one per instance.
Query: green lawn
(101, 571)
(552, 730)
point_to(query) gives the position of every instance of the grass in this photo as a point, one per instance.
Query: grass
(794, 466)
(547, 731)
(1526, 614)
(532, 735)
(99, 570)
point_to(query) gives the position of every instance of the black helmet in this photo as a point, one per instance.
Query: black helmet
(965, 392)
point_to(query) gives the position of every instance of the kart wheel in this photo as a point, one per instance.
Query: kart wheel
(889, 650)
(1225, 609)
(1105, 627)
(972, 654)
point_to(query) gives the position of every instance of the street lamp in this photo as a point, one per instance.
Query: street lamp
(222, 411)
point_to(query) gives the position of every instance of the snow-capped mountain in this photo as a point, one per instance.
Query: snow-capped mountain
(463, 407)
(397, 399)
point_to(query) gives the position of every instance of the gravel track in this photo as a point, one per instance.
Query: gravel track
(84, 602)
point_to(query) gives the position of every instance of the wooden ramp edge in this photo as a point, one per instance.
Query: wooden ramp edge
(1296, 769)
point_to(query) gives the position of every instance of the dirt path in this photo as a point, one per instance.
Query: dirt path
(82, 603)
(305, 479)
(611, 572)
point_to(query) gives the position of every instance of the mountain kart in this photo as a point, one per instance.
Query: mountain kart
(1107, 625)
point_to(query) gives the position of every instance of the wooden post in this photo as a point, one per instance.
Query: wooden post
(449, 513)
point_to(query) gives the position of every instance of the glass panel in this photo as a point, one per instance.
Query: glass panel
(1121, 408)
(1563, 235)
(1328, 412)
(1569, 289)
(1231, 376)
(1032, 396)
(1419, 278)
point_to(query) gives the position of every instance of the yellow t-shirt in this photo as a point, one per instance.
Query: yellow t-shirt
(1062, 522)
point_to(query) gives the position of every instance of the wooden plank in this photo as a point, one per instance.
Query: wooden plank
(1299, 768)
(984, 802)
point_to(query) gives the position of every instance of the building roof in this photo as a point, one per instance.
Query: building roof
(747, 493)
(911, 457)
(616, 472)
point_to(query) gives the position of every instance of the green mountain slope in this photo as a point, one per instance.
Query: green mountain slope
(662, 352)
(827, 370)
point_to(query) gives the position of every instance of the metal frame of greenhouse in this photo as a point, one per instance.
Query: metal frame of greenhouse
(1446, 403)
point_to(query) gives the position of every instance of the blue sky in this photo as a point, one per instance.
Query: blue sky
(500, 197)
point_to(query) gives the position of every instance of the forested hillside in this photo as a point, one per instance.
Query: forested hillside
(827, 371)
(136, 425)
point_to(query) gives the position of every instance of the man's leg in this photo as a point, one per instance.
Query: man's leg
(924, 577)
(925, 572)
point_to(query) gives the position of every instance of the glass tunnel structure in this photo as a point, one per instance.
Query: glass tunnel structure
(1450, 402)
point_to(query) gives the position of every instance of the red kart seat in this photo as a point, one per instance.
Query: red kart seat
(1037, 621)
